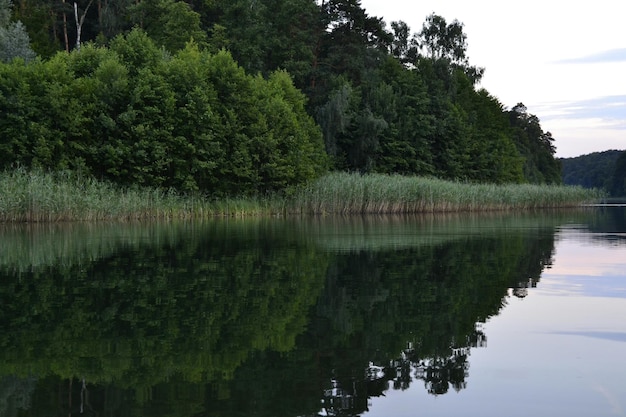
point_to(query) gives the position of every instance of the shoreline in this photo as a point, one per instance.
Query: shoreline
(35, 197)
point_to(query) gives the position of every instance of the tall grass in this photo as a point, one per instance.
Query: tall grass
(344, 193)
(37, 196)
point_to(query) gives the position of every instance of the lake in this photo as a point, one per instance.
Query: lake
(516, 314)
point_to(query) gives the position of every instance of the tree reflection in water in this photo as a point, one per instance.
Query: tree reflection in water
(260, 320)
(437, 373)
(434, 296)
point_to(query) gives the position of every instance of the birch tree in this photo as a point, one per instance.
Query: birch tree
(79, 21)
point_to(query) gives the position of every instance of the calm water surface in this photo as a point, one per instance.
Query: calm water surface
(486, 315)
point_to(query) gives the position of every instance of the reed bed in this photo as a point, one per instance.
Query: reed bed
(344, 193)
(36, 196)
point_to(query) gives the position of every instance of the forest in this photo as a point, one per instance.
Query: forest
(602, 170)
(246, 97)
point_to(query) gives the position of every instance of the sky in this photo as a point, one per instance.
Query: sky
(565, 61)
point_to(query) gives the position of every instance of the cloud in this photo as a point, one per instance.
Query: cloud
(609, 111)
(612, 400)
(612, 55)
(612, 336)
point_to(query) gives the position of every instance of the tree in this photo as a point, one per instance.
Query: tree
(80, 21)
(404, 47)
(334, 117)
(405, 147)
(535, 146)
(114, 17)
(5, 12)
(135, 115)
(353, 40)
(594, 170)
(267, 35)
(170, 23)
(14, 40)
(618, 181)
(443, 41)
(493, 156)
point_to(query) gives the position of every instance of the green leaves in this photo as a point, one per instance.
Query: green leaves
(169, 23)
(535, 146)
(618, 180)
(386, 101)
(192, 121)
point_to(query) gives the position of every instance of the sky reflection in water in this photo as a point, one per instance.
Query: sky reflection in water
(282, 318)
(559, 351)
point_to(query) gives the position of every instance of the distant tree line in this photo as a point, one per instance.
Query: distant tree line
(153, 98)
(603, 170)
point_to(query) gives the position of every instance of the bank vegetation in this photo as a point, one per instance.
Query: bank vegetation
(37, 196)
(182, 109)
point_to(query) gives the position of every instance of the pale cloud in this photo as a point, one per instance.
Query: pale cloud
(587, 264)
(614, 403)
(585, 126)
(612, 336)
(607, 111)
(612, 55)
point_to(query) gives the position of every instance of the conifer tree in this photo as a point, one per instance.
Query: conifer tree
(14, 40)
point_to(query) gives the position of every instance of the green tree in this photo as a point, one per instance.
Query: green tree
(138, 116)
(404, 46)
(136, 50)
(14, 39)
(334, 117)
(446, 130)
(493, 156)
(17, 109)
(43, 24)
(298, 153)
(114, 17)
(351, 44)
(405, 146)
(535, 146)
(443, 41)
(594, 170)
(268, 35)
(353, 126)
(170, 23)
(618, 181)
(346, 86)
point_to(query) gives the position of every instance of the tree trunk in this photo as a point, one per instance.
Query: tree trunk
(79, 22)
(65, 37)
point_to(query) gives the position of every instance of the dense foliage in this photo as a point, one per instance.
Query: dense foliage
(147, 108)
(617, 185)
(595, 170)
(132, 114)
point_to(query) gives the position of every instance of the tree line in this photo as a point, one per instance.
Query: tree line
(603, 170)
(249, 96)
